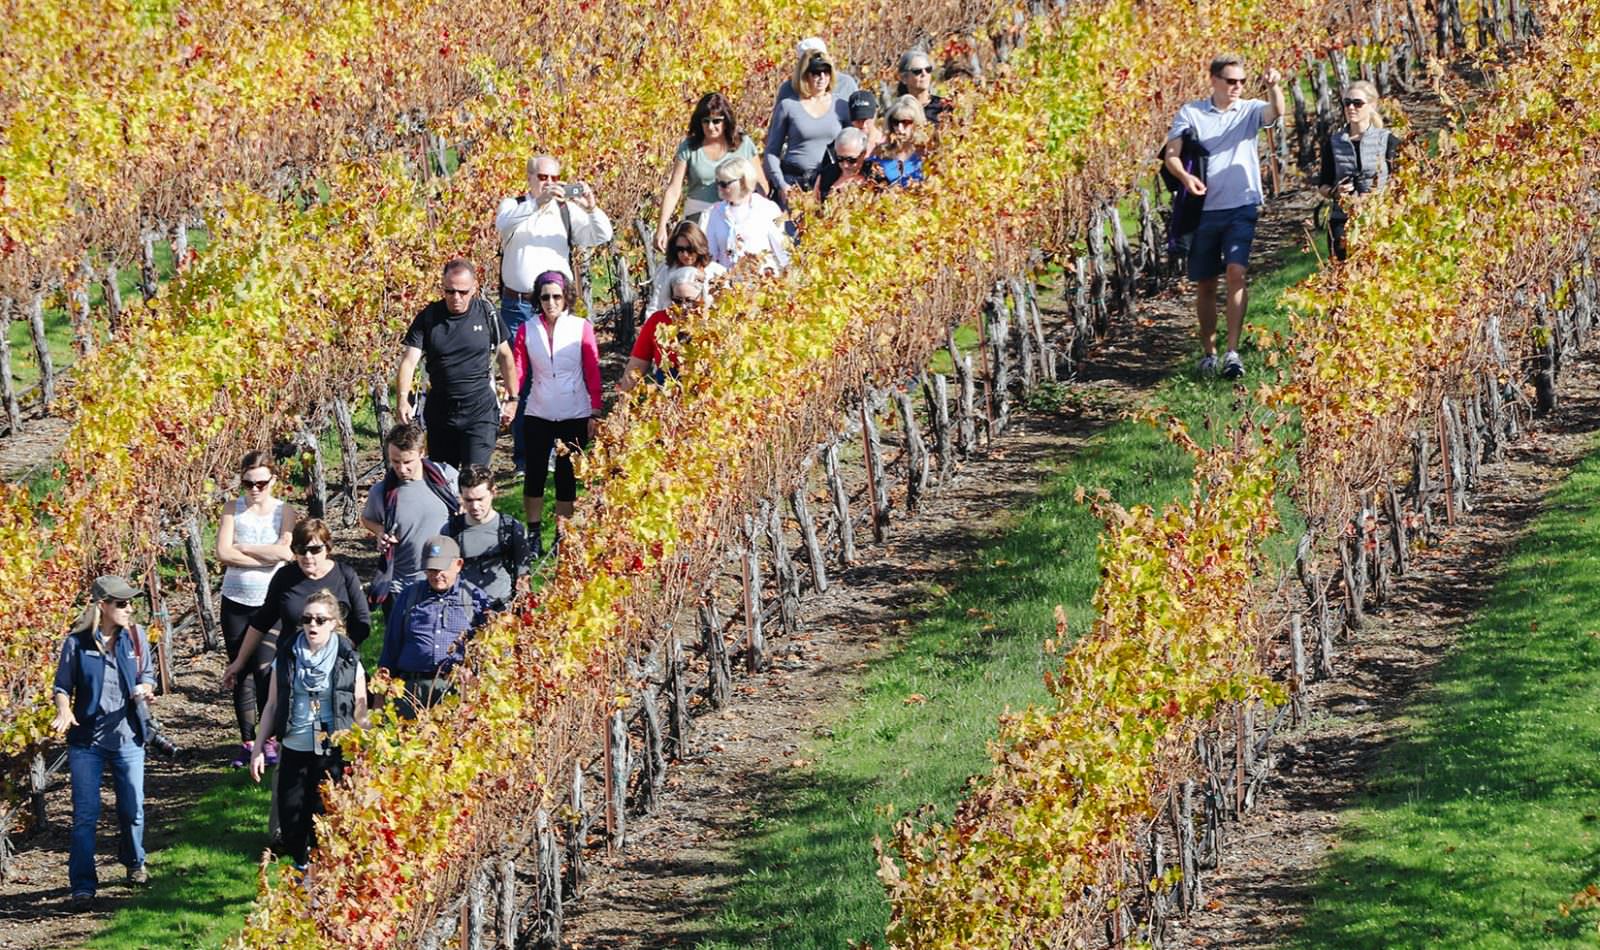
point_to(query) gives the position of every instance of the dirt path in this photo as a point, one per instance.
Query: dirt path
(1272, 858)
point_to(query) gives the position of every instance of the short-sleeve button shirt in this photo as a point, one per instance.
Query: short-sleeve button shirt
(1233, 168)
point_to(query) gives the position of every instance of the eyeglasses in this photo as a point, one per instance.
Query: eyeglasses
(311, 549)
(849, 159)
(1357, 103)
(457, 293)
(920, 71)
(556, 177)
(727, 184)
(552, 296)
(314, 620)
(119, 604)
(1232, 81)
(256, 486)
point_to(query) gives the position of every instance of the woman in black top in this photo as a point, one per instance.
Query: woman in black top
(916, 80)
(313, 569)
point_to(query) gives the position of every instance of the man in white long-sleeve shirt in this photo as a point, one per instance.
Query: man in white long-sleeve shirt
(538, 231)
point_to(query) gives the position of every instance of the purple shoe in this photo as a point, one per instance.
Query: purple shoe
(271, 752)
(243, 758)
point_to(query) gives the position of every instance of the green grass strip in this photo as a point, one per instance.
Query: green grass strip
(806, 870)
(1485, 816)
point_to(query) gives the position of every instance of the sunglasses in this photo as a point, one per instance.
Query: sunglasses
(256, 486)
(119, 604)
(1231, 81)
(682, 248)
(819, 71)
(552, 296)
(849, 159)
(457, 293)
(903, 123)
(547, 177)
(1357, 103)
(920, 71)
(311, 549)
(683, 301)
(314, 620)
(727, 184)
(713, 120)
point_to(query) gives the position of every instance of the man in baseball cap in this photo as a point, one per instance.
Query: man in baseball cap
(427, 629)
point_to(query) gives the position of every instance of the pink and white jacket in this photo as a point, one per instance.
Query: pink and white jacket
(564, 362)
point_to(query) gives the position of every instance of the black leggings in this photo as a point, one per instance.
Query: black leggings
(541, 436)
(250, 689)
(300, 776)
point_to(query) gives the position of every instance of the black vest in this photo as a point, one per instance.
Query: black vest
(1366, 163)
(344, 684)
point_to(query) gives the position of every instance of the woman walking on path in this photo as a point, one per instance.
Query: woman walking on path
(253, 538)
(318, 690)
(103, 680)
(713, 136)
(1356, 160)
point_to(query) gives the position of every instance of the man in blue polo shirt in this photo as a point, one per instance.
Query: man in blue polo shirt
(1226, 126)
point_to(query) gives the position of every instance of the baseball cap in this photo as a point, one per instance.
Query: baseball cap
(440, 553)
(112, 587)
(863, 105)
(810, 43)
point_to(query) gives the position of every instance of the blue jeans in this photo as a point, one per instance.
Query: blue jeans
(87, 765)
(515, 313)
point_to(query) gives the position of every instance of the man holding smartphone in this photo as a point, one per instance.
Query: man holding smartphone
(538, 232)
(1226, 125)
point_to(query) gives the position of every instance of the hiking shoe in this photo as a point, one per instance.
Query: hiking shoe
(80, 901)
(270, 753)
(138, 876)
(1232, 366)
(1208, 365)
(535, 544)
(243, 758)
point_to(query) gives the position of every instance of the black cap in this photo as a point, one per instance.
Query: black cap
(863, 105)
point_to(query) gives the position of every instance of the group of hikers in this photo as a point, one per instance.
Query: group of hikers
(294, 616)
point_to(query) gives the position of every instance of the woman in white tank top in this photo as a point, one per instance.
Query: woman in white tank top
(252, 543)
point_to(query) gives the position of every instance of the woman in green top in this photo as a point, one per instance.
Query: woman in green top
(713, 136)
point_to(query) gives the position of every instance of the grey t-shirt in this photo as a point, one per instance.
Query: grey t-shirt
(488, 573)
(418, 513)
(798, 139)
(1233, 167)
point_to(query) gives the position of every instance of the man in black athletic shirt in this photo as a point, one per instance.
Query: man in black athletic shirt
(462, 337)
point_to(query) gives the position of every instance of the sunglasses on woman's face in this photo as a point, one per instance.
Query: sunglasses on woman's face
(713, 120)
(552, 296)
(920, 70)
(682, 249)
(682, 301)
(818, 71)
(904, 123)
(120, 604)
(726, 184)
(314, 620)
(311, 549)
(257, 486)
(849, 159)
(1354, 103)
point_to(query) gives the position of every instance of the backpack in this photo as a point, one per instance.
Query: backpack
(1186, 207)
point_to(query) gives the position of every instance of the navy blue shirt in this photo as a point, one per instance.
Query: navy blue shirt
(426, 631)
(111, 730)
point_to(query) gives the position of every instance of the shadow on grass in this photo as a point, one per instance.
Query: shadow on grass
(1486, 815)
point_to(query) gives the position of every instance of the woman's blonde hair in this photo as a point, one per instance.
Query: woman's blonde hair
(327, 599)
(743, 167)
(803, 65)
(905, 107)
(1369, 93)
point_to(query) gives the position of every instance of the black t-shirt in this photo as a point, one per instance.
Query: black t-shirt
(291, 588)
(460, 352)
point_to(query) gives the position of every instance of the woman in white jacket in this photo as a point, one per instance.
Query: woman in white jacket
(744, 223)
(557, 351)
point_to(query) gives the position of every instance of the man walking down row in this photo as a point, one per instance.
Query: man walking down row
(463, 339)
(1226, 126)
